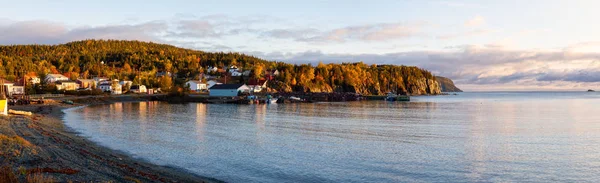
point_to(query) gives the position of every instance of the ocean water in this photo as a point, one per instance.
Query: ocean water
(469, 137)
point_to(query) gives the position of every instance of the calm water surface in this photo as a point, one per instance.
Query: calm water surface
(471, 137)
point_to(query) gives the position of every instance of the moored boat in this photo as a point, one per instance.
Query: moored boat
(271, 101)
(393, 97)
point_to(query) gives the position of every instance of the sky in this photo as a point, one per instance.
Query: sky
(483, 45)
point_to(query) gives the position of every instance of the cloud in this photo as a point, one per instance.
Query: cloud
(477, 66)
(486, 65)
(183, 26)
(214, 26)
(296, 34)
(46, 32)
(454, 4)
(196, 28)
(466, 34)
(475, 21)
(372, 32)
(584, 47)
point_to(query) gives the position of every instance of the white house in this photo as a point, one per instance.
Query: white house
(236, 73)
(196, 85)
(228, 90)
(51, 78)
(257, 86)
(212, 83)
(12, 89)
(233, 68)
(211, 69)
(138, 89)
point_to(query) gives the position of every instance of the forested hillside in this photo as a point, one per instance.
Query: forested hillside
(140, 61)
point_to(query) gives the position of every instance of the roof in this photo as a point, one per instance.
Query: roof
(56, 75)
(31, 74)
(6, 81)
(196, 81)
(215, 81)
(259, 82)
(61, 82)
(226, 86)
(86, 80)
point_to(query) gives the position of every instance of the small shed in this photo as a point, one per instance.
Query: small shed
(228, 90)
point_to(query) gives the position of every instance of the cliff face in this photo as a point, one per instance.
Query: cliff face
(447, 85)
(424, 87)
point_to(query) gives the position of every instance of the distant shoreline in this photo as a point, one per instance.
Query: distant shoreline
(58, 152)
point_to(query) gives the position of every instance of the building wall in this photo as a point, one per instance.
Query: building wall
(69, 86)
(224, 93)
(211, 84)
(143, 89)
(86, 84)
(16, 90)
(202, 87)
(105, 88)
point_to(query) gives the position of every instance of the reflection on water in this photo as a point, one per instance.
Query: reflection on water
(475, 137)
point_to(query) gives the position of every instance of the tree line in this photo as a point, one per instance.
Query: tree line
(140, 61)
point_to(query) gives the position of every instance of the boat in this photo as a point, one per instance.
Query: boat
(271, 101)
(296, 98)
(70, 102)
(393, 97)
(590, 90)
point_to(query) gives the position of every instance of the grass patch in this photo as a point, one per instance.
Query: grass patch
(132, 179)
(15, 146)
(39, 178)
(7, 175)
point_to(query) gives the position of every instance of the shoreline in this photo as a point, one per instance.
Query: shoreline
(43, 146)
